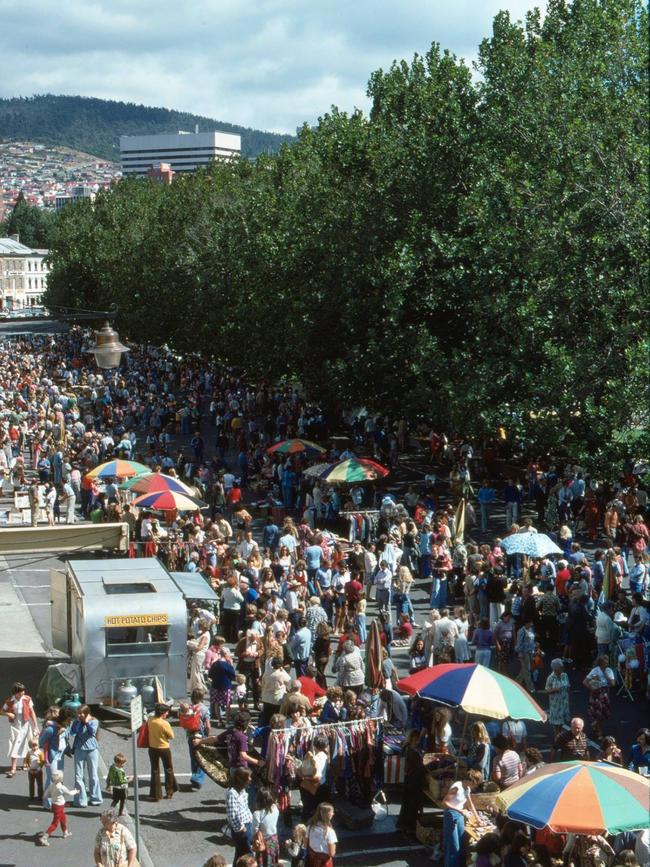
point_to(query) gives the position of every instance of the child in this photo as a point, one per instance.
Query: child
(57, 792)
(297, 846)
(118, 781)
(35, 760)
(537, 663)
(240, 688)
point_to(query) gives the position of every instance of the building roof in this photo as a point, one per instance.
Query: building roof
(9, 247)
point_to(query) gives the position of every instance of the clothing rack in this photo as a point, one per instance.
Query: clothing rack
(353, 724)
(361, 512)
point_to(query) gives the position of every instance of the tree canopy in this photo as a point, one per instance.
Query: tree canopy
(473, 252)
(33, 225)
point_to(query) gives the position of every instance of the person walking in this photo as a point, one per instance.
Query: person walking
(33, 493)
(599, 681)
(23, 725)
(86, 758)
(68, 498)
(524, 648)
(56, 793)
(160, 734)
(197, 648)
(557, 690)
(114, 843)
(240, 818)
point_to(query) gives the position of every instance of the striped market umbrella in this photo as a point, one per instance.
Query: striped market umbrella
(118, 468)
(459, 523)
(580, 798)
(168, 501)
(354, 470)
(147, 483)
(374, 675)
(295, 446)
(475, 688)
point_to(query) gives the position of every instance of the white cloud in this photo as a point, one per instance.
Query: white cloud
(270, 64)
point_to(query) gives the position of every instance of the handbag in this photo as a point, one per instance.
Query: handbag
(143, 736)
(259, 843)
(69, 746)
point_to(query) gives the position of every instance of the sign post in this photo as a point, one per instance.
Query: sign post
(137, 718)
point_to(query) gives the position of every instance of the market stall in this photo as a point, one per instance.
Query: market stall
(124, 622)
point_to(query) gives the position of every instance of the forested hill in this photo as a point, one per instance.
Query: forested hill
(95, 125)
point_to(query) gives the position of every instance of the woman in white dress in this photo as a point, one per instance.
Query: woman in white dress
(198, 647)
(461, 647)
(23, 725)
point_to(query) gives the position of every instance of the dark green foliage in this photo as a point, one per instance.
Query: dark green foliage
(474, 252)
(95, 125)
(33, 225)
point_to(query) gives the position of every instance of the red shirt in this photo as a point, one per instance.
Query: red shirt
(561, 579)
(310, 689)
(233, 495)
(345, 637)
(353, 590)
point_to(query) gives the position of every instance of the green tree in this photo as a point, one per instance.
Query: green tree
(33, 225)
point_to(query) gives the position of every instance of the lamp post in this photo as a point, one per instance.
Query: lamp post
(107, 348)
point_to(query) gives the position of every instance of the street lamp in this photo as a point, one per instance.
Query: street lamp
(107, 348)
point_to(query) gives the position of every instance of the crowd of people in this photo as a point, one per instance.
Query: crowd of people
(285, 646)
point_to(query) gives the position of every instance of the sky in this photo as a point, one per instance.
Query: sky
(269, 64)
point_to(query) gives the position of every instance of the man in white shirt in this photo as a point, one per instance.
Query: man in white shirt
(383, 581)
(228, 481)
(289, 541)
(247, 546)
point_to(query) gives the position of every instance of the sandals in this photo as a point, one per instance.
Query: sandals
(11, 774)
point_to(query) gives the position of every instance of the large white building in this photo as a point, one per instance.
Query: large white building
(23, 274)
(184, 151)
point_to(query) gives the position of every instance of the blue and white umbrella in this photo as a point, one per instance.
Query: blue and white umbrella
(530, 544)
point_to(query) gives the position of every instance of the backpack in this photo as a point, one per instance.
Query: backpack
(191, 721)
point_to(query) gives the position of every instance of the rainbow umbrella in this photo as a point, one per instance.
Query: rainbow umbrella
(147, 483)
(475, 688)
(119, 468)
(580, 798)
(294, 446)
(167, 501)
(354, 470)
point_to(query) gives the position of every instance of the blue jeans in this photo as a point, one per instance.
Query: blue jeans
(483, 657)
(242, 841)
(198, 774)
(88, 760)
(360, 623)
(484, 516)
(453, 829)
(439, 593)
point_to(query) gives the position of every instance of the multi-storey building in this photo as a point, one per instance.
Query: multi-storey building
(184, 151)
(23, 274)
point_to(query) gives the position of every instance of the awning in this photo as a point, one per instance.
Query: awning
(193, 585)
